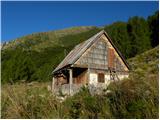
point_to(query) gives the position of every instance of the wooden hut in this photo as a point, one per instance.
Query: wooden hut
(94, 61)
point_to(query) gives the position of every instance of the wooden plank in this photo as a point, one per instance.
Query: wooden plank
(80, 66)
(111, 58)
(70, 81)
(88, 78)
(82, 78)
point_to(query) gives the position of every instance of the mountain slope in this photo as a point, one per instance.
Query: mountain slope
(148, 60)
(38, 41)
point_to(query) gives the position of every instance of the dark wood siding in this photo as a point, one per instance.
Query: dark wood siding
(111, 57)
(81, 79)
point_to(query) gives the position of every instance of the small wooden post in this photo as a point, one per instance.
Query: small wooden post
(52, 87)
(70, 81)
(88, 75)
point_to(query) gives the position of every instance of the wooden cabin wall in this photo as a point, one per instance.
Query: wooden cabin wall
(96, 56)
(102, 55)
(95, 75)
(118, 65)
(60, 80)
(118, 62)
(81, 79)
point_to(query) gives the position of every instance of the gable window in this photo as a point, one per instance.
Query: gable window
(101, 77)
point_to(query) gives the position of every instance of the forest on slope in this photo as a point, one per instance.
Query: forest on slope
(33, 57)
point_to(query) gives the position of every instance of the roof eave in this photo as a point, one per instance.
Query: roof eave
(65, 67)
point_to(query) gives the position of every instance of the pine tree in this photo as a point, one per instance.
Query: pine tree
(153, 22)
(139, 35)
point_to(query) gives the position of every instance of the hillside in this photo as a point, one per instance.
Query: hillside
(145, 61)
(38, 41)
(135, 97)
(39, 55)
(34, 57)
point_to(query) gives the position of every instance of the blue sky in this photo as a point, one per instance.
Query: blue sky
(23, 18)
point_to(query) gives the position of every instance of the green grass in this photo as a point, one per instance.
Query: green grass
(28, 101)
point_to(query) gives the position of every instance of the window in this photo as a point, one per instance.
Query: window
(101, 77)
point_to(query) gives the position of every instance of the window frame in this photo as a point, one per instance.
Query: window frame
(101, 78)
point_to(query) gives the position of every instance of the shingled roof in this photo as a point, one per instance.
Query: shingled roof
(79, 49)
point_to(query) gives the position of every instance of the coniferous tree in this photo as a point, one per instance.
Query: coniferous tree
(139, 35)
(153, 22)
